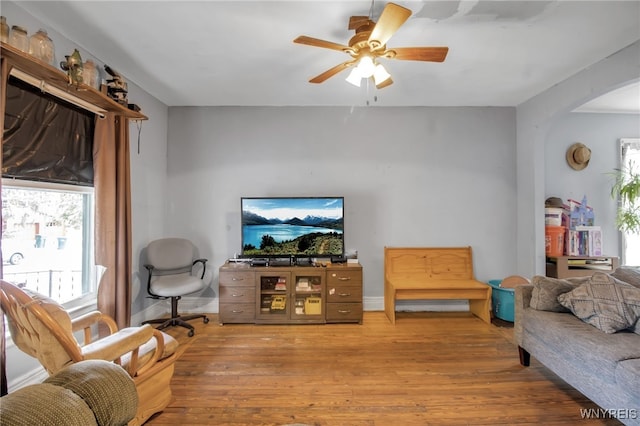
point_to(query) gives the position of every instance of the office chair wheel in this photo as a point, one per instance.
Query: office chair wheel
(190, 333)
(205, 320)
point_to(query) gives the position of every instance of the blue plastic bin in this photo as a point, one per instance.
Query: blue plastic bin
(502, 301)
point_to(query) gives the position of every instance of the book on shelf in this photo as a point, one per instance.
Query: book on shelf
(584, 241)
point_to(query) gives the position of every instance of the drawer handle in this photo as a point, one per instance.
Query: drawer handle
(344, 278)
(344, 294)
(237, 312)
(340, 311)
(237, 295)
(237, 279)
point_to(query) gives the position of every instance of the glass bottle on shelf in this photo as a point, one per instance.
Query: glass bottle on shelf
(41, 47)
(90, 74)
(4, 30)
(18, 38)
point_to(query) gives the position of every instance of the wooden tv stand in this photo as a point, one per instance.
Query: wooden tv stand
(290, 294)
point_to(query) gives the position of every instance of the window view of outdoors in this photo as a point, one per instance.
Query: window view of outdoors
(47, 240)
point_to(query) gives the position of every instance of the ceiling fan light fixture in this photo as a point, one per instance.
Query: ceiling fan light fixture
(380, 75)
(354, 77)
(366, 66)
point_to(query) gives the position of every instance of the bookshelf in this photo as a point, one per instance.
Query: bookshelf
(579, 266)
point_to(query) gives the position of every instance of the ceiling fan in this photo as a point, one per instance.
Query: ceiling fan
(370, 43)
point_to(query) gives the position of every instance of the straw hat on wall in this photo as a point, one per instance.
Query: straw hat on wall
(578, 156)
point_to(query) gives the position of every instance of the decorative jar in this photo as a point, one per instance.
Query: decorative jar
(90, 74)
(41, 47)
(18, 38)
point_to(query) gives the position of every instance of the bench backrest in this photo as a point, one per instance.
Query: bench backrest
(428, 263)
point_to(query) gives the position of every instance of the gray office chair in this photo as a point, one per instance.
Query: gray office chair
(172, 265)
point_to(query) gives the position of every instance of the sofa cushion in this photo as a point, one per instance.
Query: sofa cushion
(632, 276)
(104, 386)
(628, 374)
(606, 303)
(544, 296)
(45, 404)
(628, 275)
(580, 343)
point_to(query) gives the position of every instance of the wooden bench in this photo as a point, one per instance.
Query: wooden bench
(429, 273)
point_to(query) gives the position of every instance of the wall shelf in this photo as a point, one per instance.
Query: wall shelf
(49, 75)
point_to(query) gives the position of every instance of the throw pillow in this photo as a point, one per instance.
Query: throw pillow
(604, 302)
(546, 290)
(628, 275)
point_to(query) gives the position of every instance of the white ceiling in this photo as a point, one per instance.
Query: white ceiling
(203, 53)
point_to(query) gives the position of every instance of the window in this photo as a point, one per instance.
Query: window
(630, 155)
(47, 239)
(47, 196)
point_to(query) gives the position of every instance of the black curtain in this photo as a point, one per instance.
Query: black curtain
(46, 138)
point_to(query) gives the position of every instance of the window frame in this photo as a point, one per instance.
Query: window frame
(624, 145)
(91, 273)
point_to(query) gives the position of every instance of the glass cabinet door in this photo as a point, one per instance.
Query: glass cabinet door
(273, 290)
(308, 294)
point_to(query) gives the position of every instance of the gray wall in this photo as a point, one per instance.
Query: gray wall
(410, 176)
(535, 120)
(601, 133)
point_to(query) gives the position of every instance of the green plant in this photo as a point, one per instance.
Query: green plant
(626, 188)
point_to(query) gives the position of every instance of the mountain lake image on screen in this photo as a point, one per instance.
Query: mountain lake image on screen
(295, 226)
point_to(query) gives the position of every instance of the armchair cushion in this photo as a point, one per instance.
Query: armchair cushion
(44, 346)
(124, 341)
(115, 345)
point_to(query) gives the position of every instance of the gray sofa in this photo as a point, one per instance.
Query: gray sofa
(591, 351)
(86, 393)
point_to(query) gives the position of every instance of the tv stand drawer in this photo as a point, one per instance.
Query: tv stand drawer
(247, 294)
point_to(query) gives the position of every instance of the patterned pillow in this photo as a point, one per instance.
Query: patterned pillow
(604, 302)
(546, 290)
(628, 275)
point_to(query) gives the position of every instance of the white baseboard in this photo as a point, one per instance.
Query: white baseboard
(192, 305)
(35, 376)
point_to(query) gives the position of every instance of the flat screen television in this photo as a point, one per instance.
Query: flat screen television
(292, 227)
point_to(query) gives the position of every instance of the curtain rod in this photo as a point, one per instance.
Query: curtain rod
(58, 93)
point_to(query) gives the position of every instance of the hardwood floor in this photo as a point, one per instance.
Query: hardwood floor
(427, 369)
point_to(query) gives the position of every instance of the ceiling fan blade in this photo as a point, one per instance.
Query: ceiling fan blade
(356, 21)
(392, 18)
(331, 72)
(320, 43)
(430, 54)
(387, 82)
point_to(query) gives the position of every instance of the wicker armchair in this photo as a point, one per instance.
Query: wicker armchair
(41, 328)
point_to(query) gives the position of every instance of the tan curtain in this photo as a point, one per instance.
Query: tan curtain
(113, 216)
(3, 360)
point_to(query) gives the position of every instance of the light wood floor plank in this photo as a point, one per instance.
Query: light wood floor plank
(427, 369)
